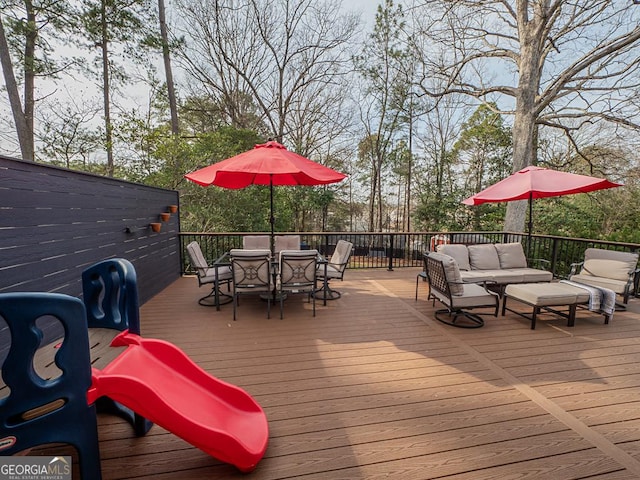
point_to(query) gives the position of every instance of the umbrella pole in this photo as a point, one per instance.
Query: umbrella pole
(530, 225)
(274, 293)
(271, 218)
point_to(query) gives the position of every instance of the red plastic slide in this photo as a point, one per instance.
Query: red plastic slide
(160, 382)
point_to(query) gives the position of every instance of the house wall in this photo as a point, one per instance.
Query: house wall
(55, 222)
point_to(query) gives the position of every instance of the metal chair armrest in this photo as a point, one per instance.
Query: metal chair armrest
(575, 268)
(222, 260)
(540, 262)
(484, 284)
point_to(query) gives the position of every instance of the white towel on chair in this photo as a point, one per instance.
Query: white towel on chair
(602, 300)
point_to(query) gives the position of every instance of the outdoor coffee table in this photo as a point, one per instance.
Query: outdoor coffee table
(544, 296)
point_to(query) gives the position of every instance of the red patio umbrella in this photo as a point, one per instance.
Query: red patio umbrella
(266, 164)
(536, 182)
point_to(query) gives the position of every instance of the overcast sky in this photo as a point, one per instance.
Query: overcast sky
(366, 7)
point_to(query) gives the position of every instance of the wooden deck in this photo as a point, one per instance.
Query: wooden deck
(373, 387)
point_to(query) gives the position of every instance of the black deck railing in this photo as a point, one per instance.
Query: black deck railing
(398, 250)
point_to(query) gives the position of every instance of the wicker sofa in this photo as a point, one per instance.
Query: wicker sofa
(499, 263)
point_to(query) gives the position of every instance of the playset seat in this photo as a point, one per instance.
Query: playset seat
(38, 410)
(57, 403)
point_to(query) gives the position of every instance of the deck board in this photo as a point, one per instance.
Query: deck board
(374, 387)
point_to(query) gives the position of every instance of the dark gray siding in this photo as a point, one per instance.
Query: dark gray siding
(56, 222)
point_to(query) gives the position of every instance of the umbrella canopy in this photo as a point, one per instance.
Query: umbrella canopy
(536, 182)
(266, 164)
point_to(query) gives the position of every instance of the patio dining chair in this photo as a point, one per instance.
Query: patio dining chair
(252, 275)
(214, 275)
(297, 274)
(335, 267)
(286, 242)
(256, 242)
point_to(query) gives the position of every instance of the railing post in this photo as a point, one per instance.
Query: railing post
(391, 242)
(554, 257)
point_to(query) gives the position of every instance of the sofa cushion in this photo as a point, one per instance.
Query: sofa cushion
(501, 277)
(504, 277)
(511, 255)
(533, 275)
(473, 295)
(477, 276)
(459, 252)
(613, 269)
(617, 286)
(483, 257)
(451, 272)
(631, 259)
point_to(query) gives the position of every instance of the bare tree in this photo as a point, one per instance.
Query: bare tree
(26, 29)
(439, 179)
(107, 25)
(25, 137)
(67, 132)
(280, 53)
(168, 71)
(384, 97)
(564, 64)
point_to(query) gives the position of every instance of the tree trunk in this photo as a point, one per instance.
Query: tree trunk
(523, 155)
(381, 218)
(22, 130)
(31, 36)
(105, 91)
(372, 197)
(173, 108)
(524, 124)
(409, 171)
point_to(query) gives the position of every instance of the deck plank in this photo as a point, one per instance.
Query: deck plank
(374, 387)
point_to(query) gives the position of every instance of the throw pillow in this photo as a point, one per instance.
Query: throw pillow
(483, 257)
(459, 253)
(451, 273)
(511, 255)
